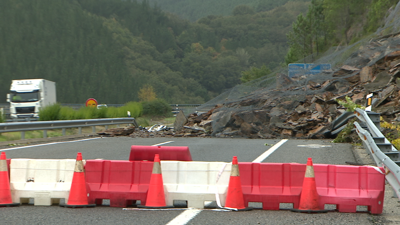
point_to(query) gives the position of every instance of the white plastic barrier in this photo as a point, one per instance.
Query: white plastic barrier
(45, 180)
(195, 182)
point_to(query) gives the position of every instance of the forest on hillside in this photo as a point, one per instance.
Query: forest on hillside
(193, 10)
(111, 50)
(334, 23)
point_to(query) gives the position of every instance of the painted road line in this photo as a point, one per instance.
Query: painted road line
(184, 217)
(189, 214)
(263, 156)
(315, 146)
(164, 143)
(52, 143)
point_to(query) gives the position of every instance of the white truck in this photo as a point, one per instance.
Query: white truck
(28, 96)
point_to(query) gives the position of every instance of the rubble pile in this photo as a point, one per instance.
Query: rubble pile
(303, 106)
(117, 131)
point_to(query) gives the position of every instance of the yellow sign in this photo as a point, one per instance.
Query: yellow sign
(91, 102)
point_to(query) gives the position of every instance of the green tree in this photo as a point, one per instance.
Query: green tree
(309, 34)
(377, 13)
(254, 73)
(300, 39)
(147, 94)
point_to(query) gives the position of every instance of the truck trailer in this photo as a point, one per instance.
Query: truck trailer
(28, 96)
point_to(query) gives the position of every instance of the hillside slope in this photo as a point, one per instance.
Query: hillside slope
(110, 49)
(194, 9)
(305, 105)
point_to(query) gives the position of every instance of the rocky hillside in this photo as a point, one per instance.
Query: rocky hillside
(305, 106)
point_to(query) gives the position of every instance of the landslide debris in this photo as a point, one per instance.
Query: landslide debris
(304, 105)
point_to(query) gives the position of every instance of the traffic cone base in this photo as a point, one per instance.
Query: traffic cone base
(234, 196)
(78, 194)
(309, 196)
(155, 195)
(5, 192)
(78, 206)
(10, 205)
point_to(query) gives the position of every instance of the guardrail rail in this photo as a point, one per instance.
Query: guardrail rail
(380, 149)
(175, 109)
(62, 124)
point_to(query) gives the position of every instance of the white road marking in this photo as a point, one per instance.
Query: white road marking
(184, 217)
(189, 214)
(62, 142)
(164, 143)
(263, 156)
(53, 143)
(314, 146)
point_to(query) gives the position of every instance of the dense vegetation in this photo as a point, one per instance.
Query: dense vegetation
(195, 9)
(330, 23)
(110, 49)
(156, 107)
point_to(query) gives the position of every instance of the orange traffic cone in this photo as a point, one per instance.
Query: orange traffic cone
(78, 194)
(5, 192)
(234, 197)
(309, 202)
(155, 195)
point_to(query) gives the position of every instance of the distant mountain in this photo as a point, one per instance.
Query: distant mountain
(195, 9)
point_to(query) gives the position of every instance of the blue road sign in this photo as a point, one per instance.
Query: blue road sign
(299, 69)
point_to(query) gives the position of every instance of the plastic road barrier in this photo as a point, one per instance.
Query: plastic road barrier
(344, 186)
(44, 180)
(350, 186)
(195, 182)
(177, 153)
(122, 182)
(272, 183)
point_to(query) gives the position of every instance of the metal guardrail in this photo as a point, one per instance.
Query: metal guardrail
(382, 151)
(175, 108)
(62, 124)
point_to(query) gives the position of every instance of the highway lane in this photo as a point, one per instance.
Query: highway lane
(202, 149)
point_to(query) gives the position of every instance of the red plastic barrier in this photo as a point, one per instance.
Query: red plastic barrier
(272, 183)
(344, 186)
(350, 186)
(177, 153)
(122, 182)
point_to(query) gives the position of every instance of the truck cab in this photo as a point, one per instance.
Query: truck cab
(27, 97)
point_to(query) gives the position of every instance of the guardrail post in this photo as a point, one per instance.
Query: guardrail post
(44, 133)
(63, 131)
(79, 130)
(376, 118)
(22, 135)
(93, 129)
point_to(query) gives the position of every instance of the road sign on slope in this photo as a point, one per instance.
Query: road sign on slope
(299, 69)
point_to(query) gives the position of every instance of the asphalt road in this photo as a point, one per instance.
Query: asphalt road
(202, 149)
